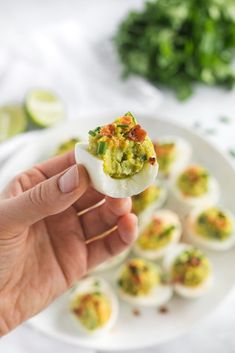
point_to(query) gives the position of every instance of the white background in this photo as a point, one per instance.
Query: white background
(33, 53)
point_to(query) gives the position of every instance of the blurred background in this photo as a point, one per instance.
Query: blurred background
(77, 53)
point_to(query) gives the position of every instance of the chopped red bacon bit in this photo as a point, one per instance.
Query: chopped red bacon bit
(152, 160)
(78, 311)
(163, 310)
(107, 130)
(127, 120)
(195, 261)
(136, 312)
(137, 134)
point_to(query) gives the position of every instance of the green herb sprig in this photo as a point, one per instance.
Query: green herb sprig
(177, 43)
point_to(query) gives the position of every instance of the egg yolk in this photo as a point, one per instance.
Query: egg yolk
(194, 181)
(156, 235)
(139, 277)
(214, 224)
(190, 268)
(141, 201)
(166, 155)
(92, 309)
(123, 146)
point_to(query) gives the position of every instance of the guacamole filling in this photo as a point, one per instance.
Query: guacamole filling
(141, 201)
(92, 309)
(190, 268)
(139, 277)
(67, 146)
(156, 235)
(166, 155)
(123, 146)
(194, 181)
(214, 224)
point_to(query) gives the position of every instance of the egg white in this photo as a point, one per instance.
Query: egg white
(180, 289)
(183, 155)
(149, 211)
(86, 285)
(172, 219)
(189, 202)
(160, 295)
(113, 262)
(107, 185)
(210, 244)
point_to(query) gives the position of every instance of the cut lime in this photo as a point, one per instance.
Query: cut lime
(13, 120)
(44, 107)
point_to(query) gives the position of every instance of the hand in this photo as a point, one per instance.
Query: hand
(42, 239)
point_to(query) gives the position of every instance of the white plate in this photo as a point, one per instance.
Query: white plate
(151, 327)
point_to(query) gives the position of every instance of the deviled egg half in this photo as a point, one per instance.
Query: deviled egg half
(195, 187)
(152, 198)
(155, 238)
(120, 158)
(113, 262)
(140, 282)
(173, 154)
(94, 305)
(189, 270)
(67, 145)
(212, 228)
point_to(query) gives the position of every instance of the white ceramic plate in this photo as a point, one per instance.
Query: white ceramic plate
(151, 327)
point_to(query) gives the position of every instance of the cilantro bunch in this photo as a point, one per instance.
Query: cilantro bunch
(177, 43)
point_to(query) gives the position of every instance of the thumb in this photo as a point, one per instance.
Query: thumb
(47, 198)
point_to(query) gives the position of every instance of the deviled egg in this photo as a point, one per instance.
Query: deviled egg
(195, 187)
(140, 282)
(113, 262)
(149, 200)
(120, 158)
(212, 228)
(94, 305)
(189, 270)
(173, 154)
(67, 145)
(155, 239)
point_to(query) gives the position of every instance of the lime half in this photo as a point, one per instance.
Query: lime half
(13, 120)
(44, 107)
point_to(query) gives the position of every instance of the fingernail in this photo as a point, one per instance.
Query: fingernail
(69, 180)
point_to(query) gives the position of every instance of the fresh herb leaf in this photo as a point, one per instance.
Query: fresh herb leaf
(225, 119)
(122, 125)
(92, 133)
(232, 152)
(177, 43)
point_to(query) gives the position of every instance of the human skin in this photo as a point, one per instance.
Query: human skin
(43, 249)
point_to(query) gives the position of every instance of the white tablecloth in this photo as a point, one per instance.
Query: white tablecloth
(64, 45)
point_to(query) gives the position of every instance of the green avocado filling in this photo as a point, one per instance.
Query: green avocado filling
(141, 201)
(166, 154)
(123, 146)
(214, 224)
(194, 181)
(139, 277)
(92, 309)
(156, 235)
(191, 268)
(67, 146)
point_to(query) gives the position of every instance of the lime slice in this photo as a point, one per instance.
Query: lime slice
(44, 107)
(13, 120)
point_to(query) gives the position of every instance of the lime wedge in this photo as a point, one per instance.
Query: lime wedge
(13, 120)
(44, 107)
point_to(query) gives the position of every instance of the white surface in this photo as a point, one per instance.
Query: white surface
(132, 332)
(18, 19)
